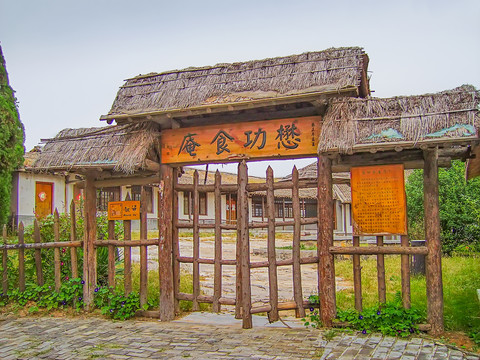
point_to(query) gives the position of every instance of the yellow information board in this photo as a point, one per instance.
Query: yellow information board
(256, 139)
(124, 210)
(378, 200)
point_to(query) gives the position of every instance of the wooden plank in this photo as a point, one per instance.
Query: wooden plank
(272, 259)
(433, 261)
(175, 244)
(382, 292)
(129, 243)
(143, 249)
(111, 254)
(38, 253)
(242, 221)
(48, 245)
(5, 262)
(73, 237)
(127, 257)
(254, 187)
(21, 258)
(165, 227)
(90, 235)
(357, 277)
(56, 251)
(374, 250)
(217, 277)
(261, 139)
(326, 265)
(196, 243)
(286, 262)
(405, 269)
(297, 270)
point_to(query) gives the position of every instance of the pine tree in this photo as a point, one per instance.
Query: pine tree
(11, 140)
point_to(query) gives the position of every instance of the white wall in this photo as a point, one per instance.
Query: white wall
(24, 185)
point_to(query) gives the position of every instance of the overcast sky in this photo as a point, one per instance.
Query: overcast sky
(67, 59)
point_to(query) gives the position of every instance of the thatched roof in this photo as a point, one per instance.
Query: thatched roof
(123, 148)
(308, 73)
(227, 178)
(340, 191)
(353, 124)
(310, 172)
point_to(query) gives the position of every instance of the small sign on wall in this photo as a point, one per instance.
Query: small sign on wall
(124, 210)
(378, 200)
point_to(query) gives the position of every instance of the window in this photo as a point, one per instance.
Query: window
(310, 208)
(104, 195)
(257, 208)
(136, 196)
(283, 208)
(188, 203)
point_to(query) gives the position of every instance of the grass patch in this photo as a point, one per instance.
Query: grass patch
(461, 278)
(153, 288)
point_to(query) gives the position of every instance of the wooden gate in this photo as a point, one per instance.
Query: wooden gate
(242, 300)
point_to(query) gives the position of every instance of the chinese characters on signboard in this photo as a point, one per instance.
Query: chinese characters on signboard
(378, 200)
(259, 139)
(124, 210)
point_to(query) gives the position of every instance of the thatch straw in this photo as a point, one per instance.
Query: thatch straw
(121, 148)
(227, 83)
(352, 121)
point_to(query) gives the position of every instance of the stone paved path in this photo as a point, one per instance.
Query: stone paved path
(95, 338)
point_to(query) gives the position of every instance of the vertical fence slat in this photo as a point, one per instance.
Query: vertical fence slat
(433, 261)
(196, 243)
(165, 266)
(217, 281)
(127, 254)
(21, 258)
(357, 277)
(175, 245)
(238, 267)
(272, 261)
(4, 262)
(143, 249)
(382, 295)
(111, 254)
(73, 237)
(38, 253)
(90, 235)
(242, 221)
(297, 271)
(326, 263)
(56, 251)
(405, 261)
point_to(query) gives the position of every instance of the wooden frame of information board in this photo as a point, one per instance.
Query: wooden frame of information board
(378, 200)
(291, 137)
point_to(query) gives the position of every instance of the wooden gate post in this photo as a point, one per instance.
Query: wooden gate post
(165, 226)
(326, 264)
(90, 235)
(433, 264)
(243, 238)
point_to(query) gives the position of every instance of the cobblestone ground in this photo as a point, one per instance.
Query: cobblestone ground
(94, 338)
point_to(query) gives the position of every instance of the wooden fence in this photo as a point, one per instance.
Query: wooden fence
(170, 259)
(40, 245)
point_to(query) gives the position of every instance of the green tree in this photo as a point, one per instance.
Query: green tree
(11, 140)
(459, 207)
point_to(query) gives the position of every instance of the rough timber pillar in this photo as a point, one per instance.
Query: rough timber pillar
(90, 235)
(326, 266)
(165, 227)
(432, 237)
(243, 239)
